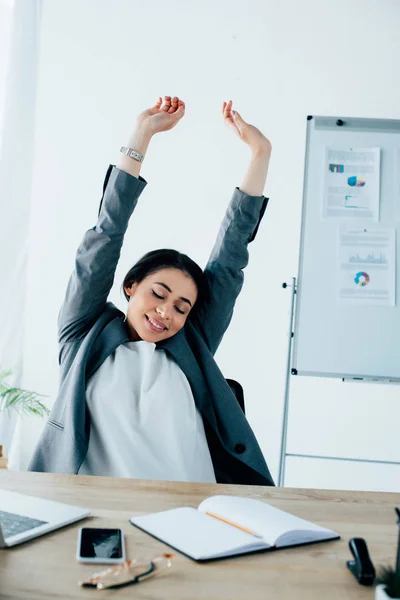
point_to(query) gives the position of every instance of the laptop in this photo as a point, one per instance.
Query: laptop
(23, 517)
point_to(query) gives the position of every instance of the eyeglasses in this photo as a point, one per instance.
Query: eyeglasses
(131, 571)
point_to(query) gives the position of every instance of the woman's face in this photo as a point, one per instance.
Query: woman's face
(159, 305)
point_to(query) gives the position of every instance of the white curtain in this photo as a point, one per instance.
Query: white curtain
(16, 166)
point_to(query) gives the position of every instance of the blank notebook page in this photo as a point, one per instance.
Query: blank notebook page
(260, 517)
(195, 533)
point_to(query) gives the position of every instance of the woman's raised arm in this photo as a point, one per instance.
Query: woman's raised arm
(98, 253)
(230, 255)
(256, 175)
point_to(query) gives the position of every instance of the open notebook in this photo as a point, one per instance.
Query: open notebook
(201, 536)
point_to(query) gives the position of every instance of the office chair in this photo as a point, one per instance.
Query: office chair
(238, 391)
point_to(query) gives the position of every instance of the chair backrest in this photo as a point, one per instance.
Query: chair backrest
(238, 391)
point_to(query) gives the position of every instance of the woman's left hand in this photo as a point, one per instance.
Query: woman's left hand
(248, 133)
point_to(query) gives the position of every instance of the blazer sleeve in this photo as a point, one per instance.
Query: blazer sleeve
(97, 256)
(224, 269)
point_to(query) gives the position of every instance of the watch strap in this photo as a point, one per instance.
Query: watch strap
(132, 154)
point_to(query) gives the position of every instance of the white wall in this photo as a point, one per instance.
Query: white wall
(101, 63)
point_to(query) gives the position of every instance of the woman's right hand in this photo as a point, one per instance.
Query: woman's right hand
(162, 116)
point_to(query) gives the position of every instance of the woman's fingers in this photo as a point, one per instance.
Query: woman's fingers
(181, 107)
(227, 113)
(229, 118)
(171, 104)
(167, 103)
(174, 104)
(226, 109)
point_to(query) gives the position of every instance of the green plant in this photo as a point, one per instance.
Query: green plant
(22, 401)
(391, 579)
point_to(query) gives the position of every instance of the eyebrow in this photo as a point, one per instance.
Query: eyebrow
(169, 290)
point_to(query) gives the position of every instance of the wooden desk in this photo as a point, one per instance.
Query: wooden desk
(3, 460)
(46, 567)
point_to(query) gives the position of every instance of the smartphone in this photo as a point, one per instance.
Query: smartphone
(101, 546)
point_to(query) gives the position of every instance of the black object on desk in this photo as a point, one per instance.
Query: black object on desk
(362, 567)
(398, 541)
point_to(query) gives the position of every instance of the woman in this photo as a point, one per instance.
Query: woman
(140, 394)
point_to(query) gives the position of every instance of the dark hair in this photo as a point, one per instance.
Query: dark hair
(167, 259)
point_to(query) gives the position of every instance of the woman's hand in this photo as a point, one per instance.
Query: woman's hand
(248, 133)
(161, 117)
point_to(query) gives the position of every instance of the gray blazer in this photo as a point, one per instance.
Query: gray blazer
(90, 329)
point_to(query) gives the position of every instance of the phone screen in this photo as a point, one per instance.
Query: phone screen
(101, 543)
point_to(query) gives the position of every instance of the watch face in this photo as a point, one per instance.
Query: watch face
(132, 154)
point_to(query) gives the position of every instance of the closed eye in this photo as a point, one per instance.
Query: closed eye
(157, 296)
(181, 312)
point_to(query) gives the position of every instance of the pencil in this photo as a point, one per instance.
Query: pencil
(234, 524)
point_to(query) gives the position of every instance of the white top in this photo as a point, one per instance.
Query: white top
(144, 421)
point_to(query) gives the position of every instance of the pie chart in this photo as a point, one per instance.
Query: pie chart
(361, 279)
(356, 181)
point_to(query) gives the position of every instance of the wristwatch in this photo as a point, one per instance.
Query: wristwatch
(132, 153)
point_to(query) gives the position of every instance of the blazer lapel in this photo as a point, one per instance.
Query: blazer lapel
(113, 334)
(179, 349)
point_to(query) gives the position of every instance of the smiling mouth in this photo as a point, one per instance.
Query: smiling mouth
(153, 326)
